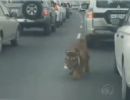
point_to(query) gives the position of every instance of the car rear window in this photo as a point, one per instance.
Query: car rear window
(113, 3)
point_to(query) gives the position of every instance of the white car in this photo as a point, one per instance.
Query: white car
(97, 18)
(63, 10)
(9, 27)
(60, 14)
(122, 55)
(59, 18)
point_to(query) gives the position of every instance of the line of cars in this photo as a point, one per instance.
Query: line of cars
(102, 16)
(19, 14)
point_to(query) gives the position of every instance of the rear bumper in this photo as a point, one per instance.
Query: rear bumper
(33, 23)
(98, 24)
(102, 29)
(100, 36)
(106, 28)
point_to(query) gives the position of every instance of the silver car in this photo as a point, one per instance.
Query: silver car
(97, 19)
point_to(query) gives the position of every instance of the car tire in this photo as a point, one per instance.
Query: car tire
(0, 44)
(68, 16)
(53, 28)
(14, 42)
(58, 24)
(90, 42)
(47, 30)
(21, 29)
(125, 88)
(115, 68)
(61, 23)
(32, 9)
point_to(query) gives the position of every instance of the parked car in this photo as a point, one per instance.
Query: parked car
(63, 10)
(83, 6)
(60, 13)
(97, 18)
(9, 27)
(122, 55)
(35, 13)
(66, 6)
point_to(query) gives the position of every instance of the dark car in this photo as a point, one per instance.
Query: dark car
(35, 13)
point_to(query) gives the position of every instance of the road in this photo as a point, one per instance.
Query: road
(34, 70)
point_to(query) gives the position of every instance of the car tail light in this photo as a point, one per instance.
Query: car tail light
(57, 7)
(45, 12)
(90, 15)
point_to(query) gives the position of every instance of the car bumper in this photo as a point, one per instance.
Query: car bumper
(32, 23)
(101, 30)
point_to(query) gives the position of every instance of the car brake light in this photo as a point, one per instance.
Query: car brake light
(90, 15)
(56, 9)
(45, 12)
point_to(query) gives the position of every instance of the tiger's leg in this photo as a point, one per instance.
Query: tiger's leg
(77, 74)
(87, 66)
(71, 72)
(83, 69)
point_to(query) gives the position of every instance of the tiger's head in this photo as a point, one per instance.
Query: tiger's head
(72, 59)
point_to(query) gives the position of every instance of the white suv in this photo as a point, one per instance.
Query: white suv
(122, 55)
(9, 27)
(97, 17)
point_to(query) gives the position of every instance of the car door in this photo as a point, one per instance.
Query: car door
(10, 22)
(119, 37)
(118, 49)
(3, 23)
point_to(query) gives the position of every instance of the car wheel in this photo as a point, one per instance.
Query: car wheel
(14, 42)
(53, 28)
(68, 16)
(125, 89)
(47, 30)
(21, 29)
(90, 41)
(32, 9)
(0, 44)
(61, 23)
(58, 24)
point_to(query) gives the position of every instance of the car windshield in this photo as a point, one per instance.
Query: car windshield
(113, 3)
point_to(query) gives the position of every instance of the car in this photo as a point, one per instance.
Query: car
(60, 13)
(97, 17)
(122, 54)
(9, 27)
(35, 13)
(82, 4)
(75, 5)
(67, 7)
(63, 10)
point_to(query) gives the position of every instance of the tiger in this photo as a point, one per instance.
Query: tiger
(77, 59)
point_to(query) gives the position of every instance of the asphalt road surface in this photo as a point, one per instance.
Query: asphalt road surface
(34, 70)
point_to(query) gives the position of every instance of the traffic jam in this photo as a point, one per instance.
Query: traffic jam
(64, 49)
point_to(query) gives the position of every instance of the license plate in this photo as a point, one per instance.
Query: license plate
(14, 10)
(115, 21)
(121, 16)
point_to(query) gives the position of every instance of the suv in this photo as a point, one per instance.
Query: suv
(9, 27)
(66, 5)
(35, 13)
(97, 19)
